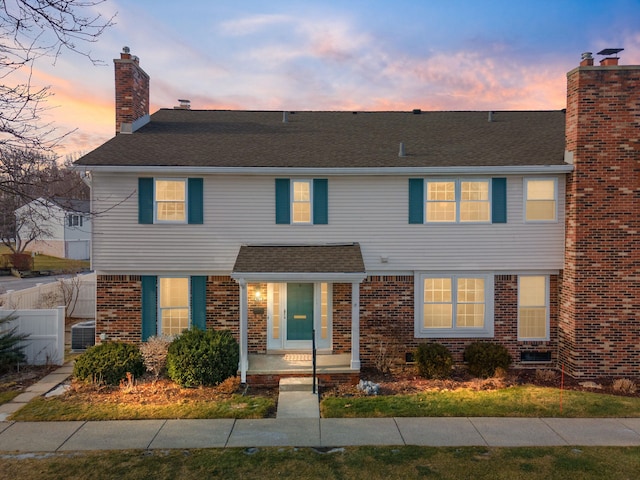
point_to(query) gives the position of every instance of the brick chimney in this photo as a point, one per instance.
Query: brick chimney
(132, 93)
(599, 319)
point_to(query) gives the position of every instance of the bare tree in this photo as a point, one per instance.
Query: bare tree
(29, 30)
(29, 185)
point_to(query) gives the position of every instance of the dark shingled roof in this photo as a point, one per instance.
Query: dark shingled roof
(345, 258)
(211, 138)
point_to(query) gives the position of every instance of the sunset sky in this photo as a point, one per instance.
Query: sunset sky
(338, 55)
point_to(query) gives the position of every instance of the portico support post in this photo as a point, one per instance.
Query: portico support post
(244, 328)
(355, 325)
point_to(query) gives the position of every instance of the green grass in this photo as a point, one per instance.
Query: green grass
(371, 463)
(48, 263)
(8, 395)
(520, 401)
(67, 409)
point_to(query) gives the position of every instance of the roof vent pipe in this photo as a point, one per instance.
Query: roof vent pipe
(490, 119)
(285, 117)
(401, 152)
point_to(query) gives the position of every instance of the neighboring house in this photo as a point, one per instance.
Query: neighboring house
(62, 227)
(377, 230)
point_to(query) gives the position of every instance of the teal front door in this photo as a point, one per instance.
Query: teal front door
(299, 311)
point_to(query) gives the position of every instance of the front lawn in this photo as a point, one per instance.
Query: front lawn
(148, 400)
(514, 401)
(370, 463)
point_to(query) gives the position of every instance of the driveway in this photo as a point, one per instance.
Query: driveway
(13, 283)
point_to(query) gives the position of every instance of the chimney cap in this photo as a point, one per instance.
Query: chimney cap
(610, 51)
(587, 55)
(126, 49)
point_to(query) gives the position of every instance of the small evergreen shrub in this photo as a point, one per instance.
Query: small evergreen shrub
(434, 360)
(11, 353)
(199, 357)
(109, 363)
(483, 358)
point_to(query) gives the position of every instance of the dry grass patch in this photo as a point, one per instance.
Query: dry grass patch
(150, 400)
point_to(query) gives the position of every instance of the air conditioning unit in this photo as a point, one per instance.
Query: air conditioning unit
(83, 335)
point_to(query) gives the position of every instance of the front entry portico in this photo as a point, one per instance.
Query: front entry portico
(299, 280)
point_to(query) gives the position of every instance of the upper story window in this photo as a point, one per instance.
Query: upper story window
(454, 305)
(457, 200)
(541, 199)
(533, 307)
(74, 220)
(170, 200)
(302, 201)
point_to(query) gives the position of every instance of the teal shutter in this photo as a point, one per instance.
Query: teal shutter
(195, 201)
(499, 200)
(283, 205)
(416, 200)
(320, 201)
(199, 302)
(149, 306)
(145, 200)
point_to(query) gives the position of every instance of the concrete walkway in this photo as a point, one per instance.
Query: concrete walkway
(290, 430)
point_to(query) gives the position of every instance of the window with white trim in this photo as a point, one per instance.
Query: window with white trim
(452, 201)
(301, 201)
(173, 305)
(533, 307)
(541, 199)
(459, 305)
(170, 200)
(74, 220)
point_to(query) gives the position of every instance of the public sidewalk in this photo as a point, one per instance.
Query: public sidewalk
(301, 432)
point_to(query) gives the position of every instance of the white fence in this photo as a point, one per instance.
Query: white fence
(77, 294)
(45, 343)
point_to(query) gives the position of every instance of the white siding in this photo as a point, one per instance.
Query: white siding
(370, 210)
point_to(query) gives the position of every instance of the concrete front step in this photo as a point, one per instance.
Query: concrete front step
(296, 384)
(296, 398)
(298, 405)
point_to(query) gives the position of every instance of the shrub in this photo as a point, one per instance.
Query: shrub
(624, 385)
(434, 360)
(483, 358)
(199, 357)
(546, 376)
(154, 354)
(109, 363)
(10, 351)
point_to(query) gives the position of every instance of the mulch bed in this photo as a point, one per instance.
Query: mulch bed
(405, 380)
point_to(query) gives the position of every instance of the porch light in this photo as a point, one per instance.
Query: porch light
(258, 296)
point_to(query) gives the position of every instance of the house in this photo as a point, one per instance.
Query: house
(368, 233)
(60, 227)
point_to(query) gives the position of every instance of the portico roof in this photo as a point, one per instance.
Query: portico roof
(329, 262)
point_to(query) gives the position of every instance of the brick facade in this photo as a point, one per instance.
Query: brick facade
(386, 316)
(119, 307)
(387, 321)
(599, 328)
